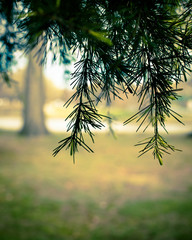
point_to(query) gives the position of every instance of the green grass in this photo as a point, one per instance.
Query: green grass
(108, 195)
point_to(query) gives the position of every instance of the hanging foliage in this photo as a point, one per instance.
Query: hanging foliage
(135, 47)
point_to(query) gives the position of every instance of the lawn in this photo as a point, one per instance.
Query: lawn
(108, 195)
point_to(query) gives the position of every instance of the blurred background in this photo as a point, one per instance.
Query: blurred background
(110, 194)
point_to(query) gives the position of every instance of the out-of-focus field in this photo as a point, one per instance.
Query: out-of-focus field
(108, 195)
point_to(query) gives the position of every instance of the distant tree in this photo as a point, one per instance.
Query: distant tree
(137, 47)
(34, 97)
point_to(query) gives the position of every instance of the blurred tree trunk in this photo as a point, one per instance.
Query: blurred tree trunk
(34, 95)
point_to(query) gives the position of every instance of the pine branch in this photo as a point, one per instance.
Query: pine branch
(85, 116)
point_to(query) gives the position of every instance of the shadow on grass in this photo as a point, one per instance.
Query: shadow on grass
(106, 197)
(25, 216)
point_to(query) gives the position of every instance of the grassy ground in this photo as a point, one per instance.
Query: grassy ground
(108, 195)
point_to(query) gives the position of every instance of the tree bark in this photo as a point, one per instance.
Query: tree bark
(34, 96)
